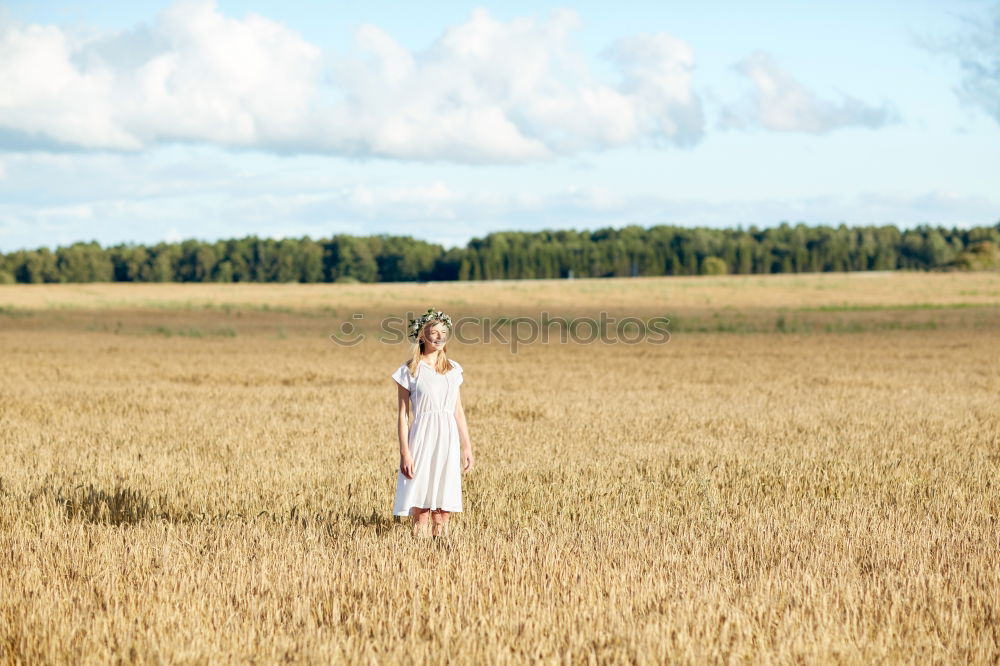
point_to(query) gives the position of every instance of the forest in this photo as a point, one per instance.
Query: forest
(607, 252)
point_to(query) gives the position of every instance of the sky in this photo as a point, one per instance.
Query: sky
(141, 122)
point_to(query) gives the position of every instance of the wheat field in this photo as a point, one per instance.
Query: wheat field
(806, 471)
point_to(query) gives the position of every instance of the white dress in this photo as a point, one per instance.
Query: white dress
(433, 440)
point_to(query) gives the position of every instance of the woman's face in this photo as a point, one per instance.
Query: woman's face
(437, 335)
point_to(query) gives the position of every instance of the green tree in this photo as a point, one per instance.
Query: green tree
(83, 262)
(713, 265)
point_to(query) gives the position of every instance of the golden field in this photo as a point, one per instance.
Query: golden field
(807, 471)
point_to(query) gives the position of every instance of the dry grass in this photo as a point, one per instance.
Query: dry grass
(192, 484)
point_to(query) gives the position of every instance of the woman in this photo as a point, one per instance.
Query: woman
(435, 449)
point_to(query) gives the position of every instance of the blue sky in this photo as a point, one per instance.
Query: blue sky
(147, 121)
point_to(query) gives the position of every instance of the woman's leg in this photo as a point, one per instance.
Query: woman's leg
(418, 517)
(440, 518)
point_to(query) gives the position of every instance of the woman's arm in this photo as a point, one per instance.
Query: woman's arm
(403, 430)
(463, 433)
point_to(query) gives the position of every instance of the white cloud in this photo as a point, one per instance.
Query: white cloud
(195, 75)
(434, 200)
(494, 91)
(979, 53)
(657, 71)
(442, 212)
(780, 103)
(485, 91)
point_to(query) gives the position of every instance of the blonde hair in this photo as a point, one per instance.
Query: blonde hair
(442, 365)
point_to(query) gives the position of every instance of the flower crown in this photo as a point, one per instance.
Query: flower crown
(430, 315)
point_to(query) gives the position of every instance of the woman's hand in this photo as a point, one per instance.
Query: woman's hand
(466, 458)
(406, 465)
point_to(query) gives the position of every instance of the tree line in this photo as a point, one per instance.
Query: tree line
(607, 252)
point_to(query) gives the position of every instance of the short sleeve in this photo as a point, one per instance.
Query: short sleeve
(402, 376)
(460, 372)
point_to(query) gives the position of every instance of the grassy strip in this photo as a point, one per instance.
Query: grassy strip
(846, 307)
